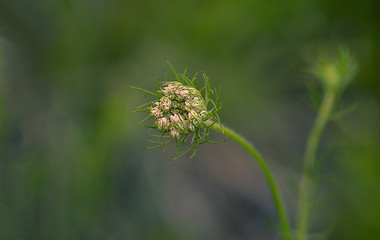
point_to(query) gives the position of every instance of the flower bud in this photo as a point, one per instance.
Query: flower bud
(174, 134)
(337, 71)
(162, 124)
(180, 110)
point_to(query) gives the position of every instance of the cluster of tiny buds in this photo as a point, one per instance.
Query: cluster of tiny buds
(181, 110)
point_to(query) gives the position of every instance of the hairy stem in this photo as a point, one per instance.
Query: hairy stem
(278, 200)
(306, 186)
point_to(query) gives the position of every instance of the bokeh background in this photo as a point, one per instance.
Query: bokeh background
(72, 162)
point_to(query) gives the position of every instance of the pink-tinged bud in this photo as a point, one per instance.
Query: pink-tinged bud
(169, 88)
(183, 93)
(163, 120)
(155, 112)
(162, 124)
(174, 134)
(175, 118)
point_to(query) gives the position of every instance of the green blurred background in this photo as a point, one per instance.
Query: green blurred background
(72, 162)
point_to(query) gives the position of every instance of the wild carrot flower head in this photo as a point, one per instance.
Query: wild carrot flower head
(181, 112)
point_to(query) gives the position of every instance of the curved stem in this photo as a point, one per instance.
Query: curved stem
(306, 191)
(284, 220)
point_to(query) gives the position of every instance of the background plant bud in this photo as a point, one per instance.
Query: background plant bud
(335, 71)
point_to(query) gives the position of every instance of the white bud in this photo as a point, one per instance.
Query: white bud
(204, 114)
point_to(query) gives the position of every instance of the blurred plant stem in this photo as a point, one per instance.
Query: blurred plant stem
(278, 200)
(306, 184)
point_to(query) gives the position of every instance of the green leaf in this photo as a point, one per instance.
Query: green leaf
(145, 91)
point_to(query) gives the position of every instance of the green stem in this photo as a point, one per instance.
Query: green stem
(306, 191)
(268, 174)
